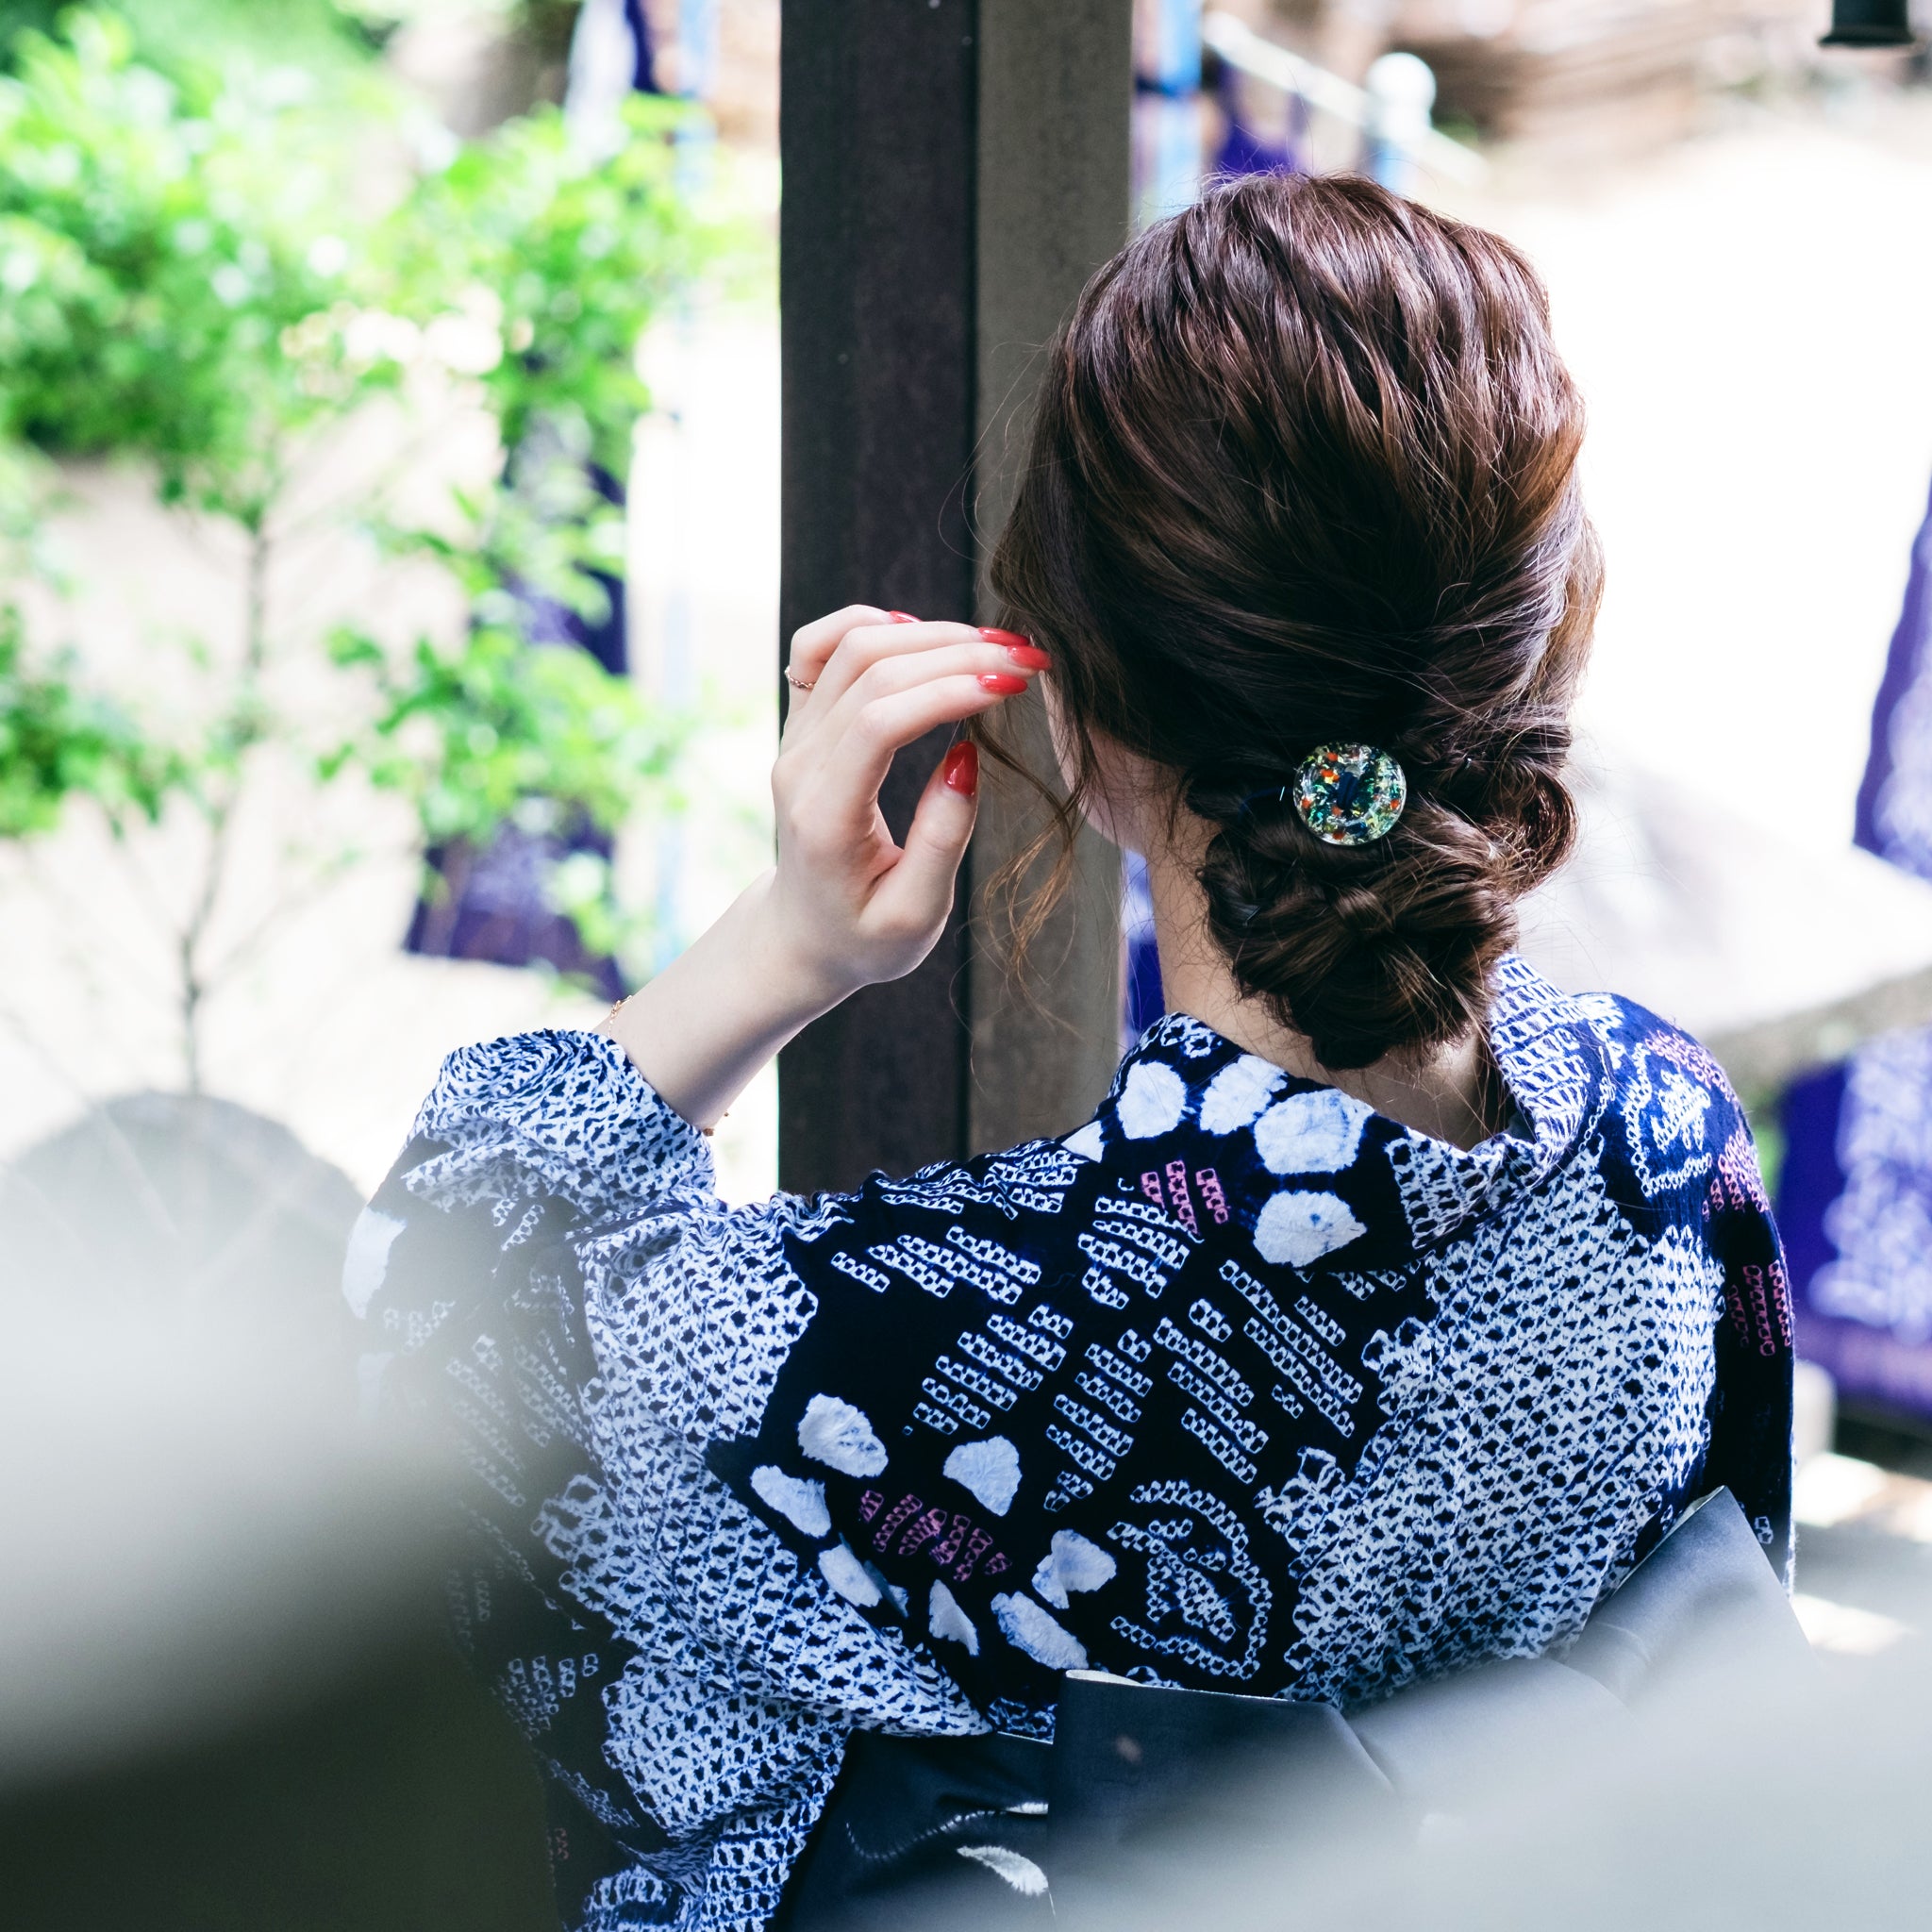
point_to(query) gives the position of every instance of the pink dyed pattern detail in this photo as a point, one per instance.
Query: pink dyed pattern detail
(1178, 1197)
(889, 1523)
(976, 1546)
(923, 1531)
(1760, 1307)
(1209, 1184)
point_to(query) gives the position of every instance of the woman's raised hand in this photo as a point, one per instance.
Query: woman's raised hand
(845, 906)
(849, 905)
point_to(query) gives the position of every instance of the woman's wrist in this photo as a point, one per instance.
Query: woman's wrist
(795, 979)
(703, 1027)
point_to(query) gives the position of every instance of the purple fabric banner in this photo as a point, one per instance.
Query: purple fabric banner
(1902, 700)
(1244, 149)
(1855, 1195)
(1142, 1000)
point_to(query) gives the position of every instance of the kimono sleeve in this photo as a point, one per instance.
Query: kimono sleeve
(548, 1279)
(546, 1179)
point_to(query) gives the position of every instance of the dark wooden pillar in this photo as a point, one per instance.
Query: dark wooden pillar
(1056, 91)
(953, 170)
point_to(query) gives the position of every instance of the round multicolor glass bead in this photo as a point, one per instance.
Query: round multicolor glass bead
(1350, 794)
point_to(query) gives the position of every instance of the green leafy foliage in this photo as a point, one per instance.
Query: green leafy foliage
(545, 24)
(567, 260)
(183, 272)
(315, 34)
(495, 731)
(206, 271)
(57, 740)
(158, 240)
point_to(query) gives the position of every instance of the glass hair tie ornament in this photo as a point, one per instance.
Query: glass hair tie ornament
(1348, 794)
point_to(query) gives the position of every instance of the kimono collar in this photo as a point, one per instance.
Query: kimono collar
(1216, 1136)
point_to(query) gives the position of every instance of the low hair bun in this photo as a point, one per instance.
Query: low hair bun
(1370, 950)
(1363, 913)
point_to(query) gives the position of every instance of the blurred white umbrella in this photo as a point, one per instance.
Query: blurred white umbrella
(1779, 955)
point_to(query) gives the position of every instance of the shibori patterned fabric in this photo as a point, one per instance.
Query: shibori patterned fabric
(1239, 1386)
(1855, 1190)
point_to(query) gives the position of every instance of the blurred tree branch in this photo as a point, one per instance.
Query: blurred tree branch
(197, 277)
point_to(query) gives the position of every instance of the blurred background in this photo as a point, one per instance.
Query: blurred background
(389, 588)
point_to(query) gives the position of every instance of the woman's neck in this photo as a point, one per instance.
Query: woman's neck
(1453, 1096)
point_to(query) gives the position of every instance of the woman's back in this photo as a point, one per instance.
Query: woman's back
(1239, 1386)
(1245, 1386)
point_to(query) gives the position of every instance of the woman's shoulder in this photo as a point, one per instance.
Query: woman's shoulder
(1635, 1042)
(1678, 1123)
(1544, 1034)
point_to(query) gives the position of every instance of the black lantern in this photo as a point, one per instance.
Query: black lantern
(1869, 24)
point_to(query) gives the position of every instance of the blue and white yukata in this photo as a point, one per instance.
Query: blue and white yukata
(1239, 1386)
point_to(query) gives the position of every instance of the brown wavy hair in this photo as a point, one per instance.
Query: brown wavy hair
(1303, 470)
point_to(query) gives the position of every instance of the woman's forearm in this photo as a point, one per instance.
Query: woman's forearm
(703, 1027)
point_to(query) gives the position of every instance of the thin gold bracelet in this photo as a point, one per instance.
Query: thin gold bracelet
(612, 1014)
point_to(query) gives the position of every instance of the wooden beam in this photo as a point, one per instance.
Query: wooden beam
(1056, 87)
(953, 170)
(876, 248)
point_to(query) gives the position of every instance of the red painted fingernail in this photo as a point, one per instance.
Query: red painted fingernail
(1004, 637)
(901, 617)
(1026, 655)
(962, 769)
(1004, 682)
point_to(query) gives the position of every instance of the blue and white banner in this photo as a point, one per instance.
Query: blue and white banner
(1855, 1199)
